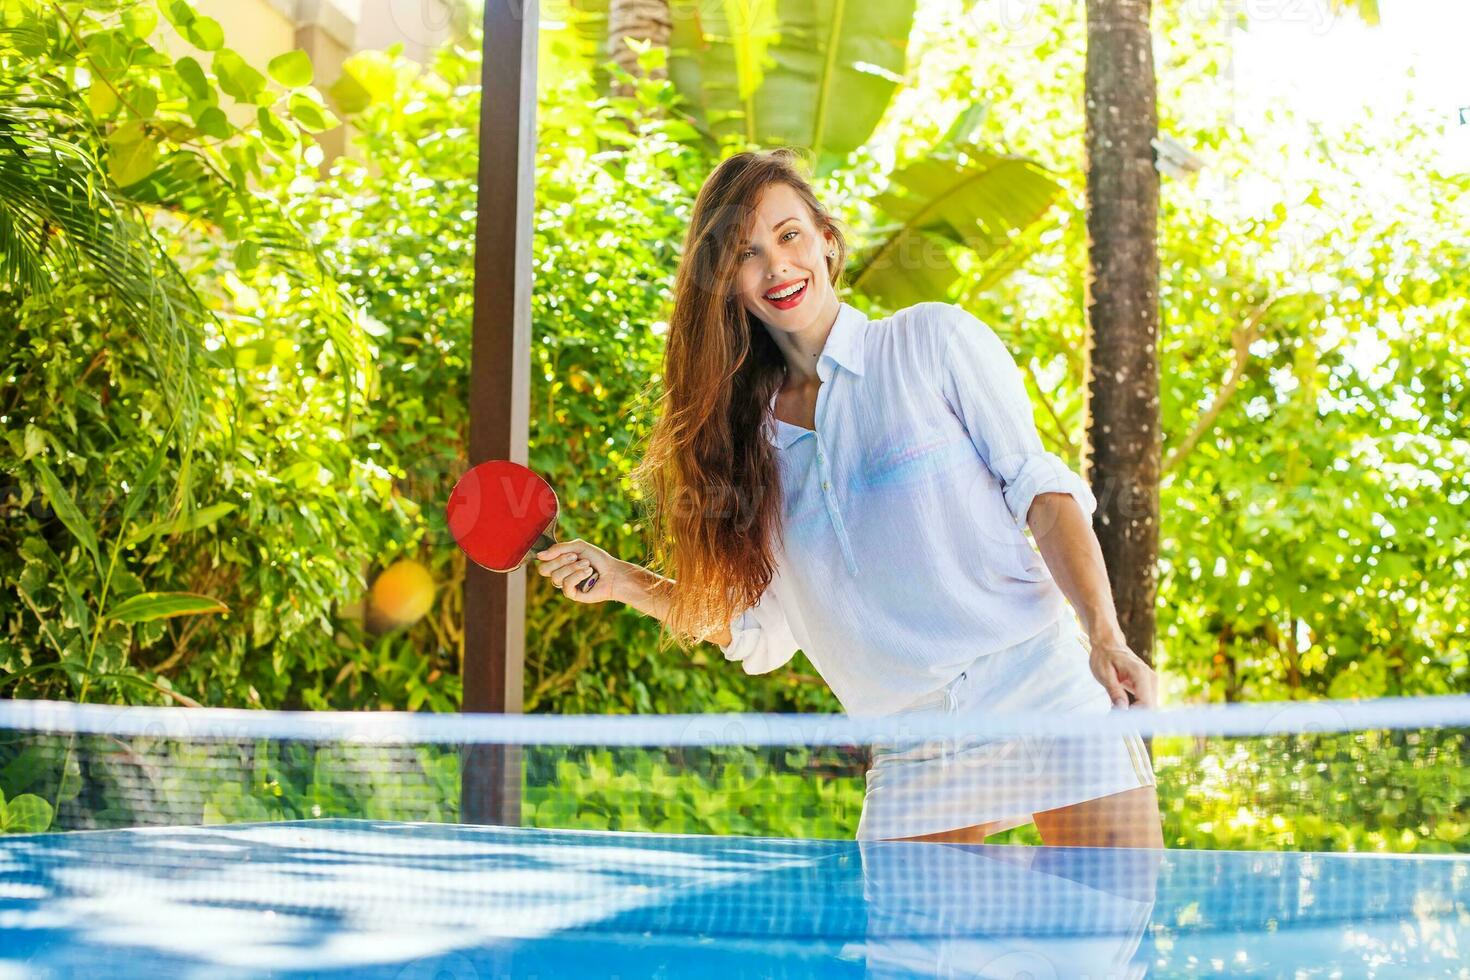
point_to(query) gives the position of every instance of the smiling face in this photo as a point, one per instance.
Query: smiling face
(781, 276)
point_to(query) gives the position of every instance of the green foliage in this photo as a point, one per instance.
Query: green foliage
(813, 75)
(1365, 9)
(56, 214)
(292, 69)
(818, 76)
(780, 793)
(181, 373)
(1366, 791)
(367, 76)
(1315, 453)
(263, 780)
(1396, 791)
(24, 814)
(961, 194)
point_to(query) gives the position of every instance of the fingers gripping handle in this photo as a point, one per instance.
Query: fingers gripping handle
(546, 540)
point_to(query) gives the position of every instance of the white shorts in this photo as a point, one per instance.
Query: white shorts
(936, 785)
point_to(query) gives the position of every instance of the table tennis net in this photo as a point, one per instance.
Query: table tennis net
(1387, 775)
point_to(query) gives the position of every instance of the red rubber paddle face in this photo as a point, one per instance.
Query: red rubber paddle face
(497, 512)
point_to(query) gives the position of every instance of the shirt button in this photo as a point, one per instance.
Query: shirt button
(826, 485)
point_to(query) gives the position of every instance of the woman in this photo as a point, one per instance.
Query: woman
(857, 490)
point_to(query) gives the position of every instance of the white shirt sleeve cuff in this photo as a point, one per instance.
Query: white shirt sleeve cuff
(760, 639)
(1045, 473)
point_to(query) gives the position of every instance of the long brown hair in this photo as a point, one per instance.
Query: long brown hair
(709, 476)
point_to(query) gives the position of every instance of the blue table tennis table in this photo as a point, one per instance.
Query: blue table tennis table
(338, 898)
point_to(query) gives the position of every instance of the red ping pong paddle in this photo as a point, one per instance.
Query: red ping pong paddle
(500, 513)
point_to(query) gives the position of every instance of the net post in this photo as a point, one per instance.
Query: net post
(500, 384)
(490, 785)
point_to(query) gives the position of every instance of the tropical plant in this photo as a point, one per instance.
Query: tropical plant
(818, 76)
(130, 373)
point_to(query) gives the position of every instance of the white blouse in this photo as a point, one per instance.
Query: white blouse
(904, 557)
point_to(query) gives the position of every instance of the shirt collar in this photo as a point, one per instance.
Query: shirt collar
(844, 347)
(845, 340)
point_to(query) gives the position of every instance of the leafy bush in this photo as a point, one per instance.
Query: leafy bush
(184, 477)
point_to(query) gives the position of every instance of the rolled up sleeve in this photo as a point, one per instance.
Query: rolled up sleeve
(985, 389)
(760, 637)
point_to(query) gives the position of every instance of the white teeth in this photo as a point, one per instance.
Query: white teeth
(787, 293)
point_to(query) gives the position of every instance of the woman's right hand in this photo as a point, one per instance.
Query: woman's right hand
(568, 563)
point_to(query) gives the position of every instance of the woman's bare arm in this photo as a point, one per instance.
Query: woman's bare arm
(647, 592)
(567, 563)
(1072, 554)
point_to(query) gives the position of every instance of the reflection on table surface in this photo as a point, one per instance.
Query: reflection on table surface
(359, 897)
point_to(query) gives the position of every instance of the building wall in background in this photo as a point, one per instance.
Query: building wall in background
(421, 25)
(328, 31)
(258, 29)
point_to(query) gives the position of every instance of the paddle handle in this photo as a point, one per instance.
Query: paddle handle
(546, 540)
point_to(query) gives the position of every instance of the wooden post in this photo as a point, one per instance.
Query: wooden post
(500, 387)
(1123, 306)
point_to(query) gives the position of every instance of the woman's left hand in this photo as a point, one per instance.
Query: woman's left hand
(1120, 671)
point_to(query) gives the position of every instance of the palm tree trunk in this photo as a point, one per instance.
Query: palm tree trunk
(1122, 306)
(639, 20)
